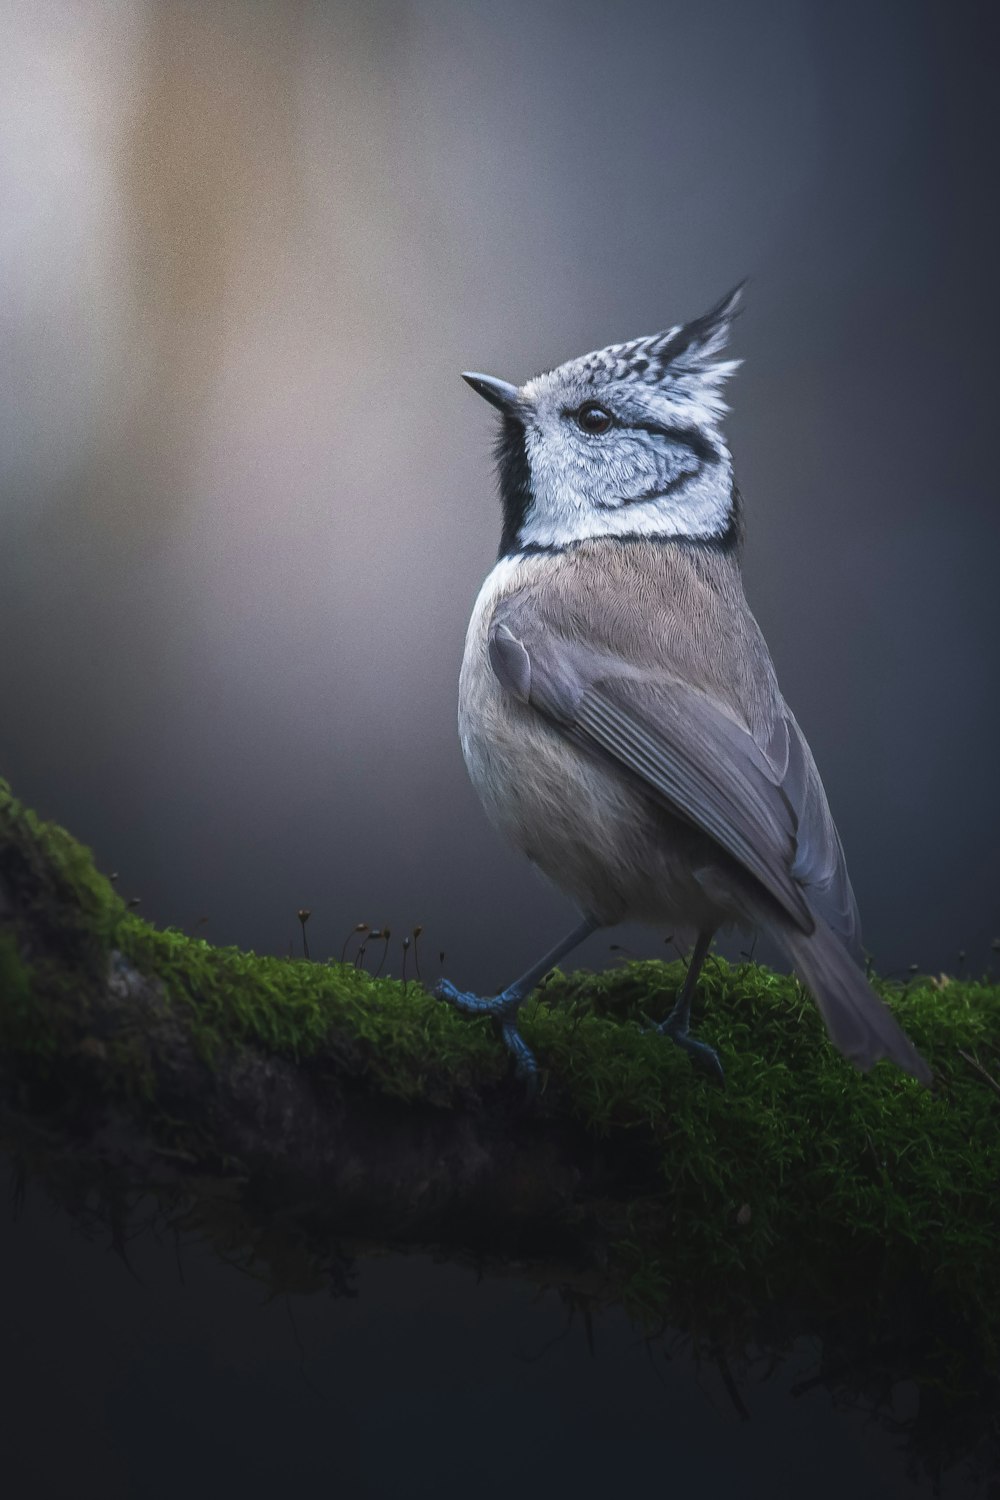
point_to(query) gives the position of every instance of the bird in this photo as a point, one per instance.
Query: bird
(618, 709)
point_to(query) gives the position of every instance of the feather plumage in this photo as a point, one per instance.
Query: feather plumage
(618, 709)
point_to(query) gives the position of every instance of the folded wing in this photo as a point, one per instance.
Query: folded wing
(764, 806)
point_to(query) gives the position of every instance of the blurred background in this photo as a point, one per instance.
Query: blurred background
(246, 502)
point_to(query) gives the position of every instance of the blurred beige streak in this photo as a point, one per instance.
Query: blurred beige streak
(209, 182)
(153, 191)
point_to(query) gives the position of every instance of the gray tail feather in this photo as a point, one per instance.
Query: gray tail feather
(861, 1026)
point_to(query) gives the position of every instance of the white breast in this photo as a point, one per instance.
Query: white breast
(493, 730)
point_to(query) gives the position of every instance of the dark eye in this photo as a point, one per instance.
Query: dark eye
(593, 418)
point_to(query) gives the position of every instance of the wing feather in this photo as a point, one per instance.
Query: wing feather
(687, 751)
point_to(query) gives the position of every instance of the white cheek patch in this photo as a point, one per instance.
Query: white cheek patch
(574, 501)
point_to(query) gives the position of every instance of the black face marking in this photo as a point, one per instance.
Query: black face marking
(684, 477)
(725, 542)
(514, 480)
(688, 437)
(730, 540)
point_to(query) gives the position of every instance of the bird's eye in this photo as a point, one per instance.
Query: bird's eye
(593, 418)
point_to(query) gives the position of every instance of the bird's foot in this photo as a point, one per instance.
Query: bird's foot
(500, 1007)
(502, 1010)
(700, 1053)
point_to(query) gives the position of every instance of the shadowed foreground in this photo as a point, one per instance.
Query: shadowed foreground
(299, 1112)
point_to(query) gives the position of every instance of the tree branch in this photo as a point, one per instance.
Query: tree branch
(311, 1104)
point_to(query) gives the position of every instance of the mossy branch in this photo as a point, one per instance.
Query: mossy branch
(363, 1109)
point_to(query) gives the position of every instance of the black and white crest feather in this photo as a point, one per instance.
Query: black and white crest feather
(685, 357)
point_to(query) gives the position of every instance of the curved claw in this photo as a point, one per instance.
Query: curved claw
(445, 990)
(525, 1064)
(502, 1009)
(700, 1053)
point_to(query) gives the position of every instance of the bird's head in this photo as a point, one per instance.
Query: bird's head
(623, 442)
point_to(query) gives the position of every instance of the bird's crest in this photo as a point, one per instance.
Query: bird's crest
(683, 359)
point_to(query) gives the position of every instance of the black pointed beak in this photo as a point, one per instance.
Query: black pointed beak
(499, 393)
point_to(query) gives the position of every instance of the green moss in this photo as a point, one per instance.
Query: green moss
(67, 913)
(404, 1041)
(58, 890)
(799, 1167)
(813, 1152)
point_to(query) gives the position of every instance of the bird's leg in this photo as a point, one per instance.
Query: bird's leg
(503, 1008)
(680, 1017)
(676, 1024)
